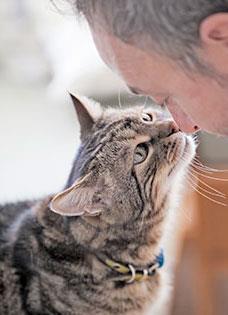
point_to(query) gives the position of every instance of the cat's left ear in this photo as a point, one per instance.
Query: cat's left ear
(88, 111)
(82, 198)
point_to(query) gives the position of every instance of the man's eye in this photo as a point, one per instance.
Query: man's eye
(141, 153)
(134, 90)
(147, 117)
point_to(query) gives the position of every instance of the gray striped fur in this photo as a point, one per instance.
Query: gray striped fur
(48, 263)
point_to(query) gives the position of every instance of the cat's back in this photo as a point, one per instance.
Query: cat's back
(10, 214)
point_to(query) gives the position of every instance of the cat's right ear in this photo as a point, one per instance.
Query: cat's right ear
(88, 112)
(82, 198)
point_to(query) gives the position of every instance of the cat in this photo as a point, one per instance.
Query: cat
(95, 247)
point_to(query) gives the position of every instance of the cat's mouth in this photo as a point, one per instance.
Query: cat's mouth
(181, 150)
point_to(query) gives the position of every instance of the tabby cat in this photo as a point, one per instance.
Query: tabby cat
(94, 247)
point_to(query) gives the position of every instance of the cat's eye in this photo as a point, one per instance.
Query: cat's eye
(141, 153)
(147, 117)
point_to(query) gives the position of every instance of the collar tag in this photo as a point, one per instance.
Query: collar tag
(132, 273)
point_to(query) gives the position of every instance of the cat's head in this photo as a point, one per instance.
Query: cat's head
(128, 164)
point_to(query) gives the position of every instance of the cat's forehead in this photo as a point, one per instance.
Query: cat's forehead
(134, 113)
(130, 123)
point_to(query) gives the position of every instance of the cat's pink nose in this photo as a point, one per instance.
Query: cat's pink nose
(174, 127)
(167, 127)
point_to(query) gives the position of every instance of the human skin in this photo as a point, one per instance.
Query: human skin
(194, 100)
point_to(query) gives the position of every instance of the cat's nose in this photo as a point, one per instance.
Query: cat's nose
(173, 127)
(167, 128)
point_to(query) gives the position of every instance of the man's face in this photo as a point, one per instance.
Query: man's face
(194, 100)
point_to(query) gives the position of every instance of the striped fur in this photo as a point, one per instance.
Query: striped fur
(48, 263)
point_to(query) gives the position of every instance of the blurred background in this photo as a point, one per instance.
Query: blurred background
(46, 51)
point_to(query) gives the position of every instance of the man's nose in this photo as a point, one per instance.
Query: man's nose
(160, 99)
(182, 119)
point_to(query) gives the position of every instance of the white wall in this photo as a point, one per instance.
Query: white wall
(42, 54)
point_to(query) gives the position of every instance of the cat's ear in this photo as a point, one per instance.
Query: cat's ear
(88, 112)
(77, 200)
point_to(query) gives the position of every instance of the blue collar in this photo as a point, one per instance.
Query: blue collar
(160, 259)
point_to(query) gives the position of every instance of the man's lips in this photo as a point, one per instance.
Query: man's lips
(182, 119)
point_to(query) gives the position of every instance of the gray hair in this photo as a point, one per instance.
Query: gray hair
(172, 26)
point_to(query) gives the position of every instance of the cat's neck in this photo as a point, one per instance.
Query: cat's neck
(127, 243)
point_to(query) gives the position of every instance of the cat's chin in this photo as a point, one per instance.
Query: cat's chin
(189, 149)
(183, 152)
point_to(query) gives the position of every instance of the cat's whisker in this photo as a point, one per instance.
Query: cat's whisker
(207, 185)
(193, 175)
(119, 100)
(200, 180)
(200, 166)
(146, 98)
(204, 167)
(196, 139)
(193, 180)
(142, 225)
(204, 195)
(210, 177)
(200, 169)
(188, 216)
(205, 190)
(207, 197)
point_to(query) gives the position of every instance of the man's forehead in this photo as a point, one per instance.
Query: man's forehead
(142, 71)
(117, 54)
